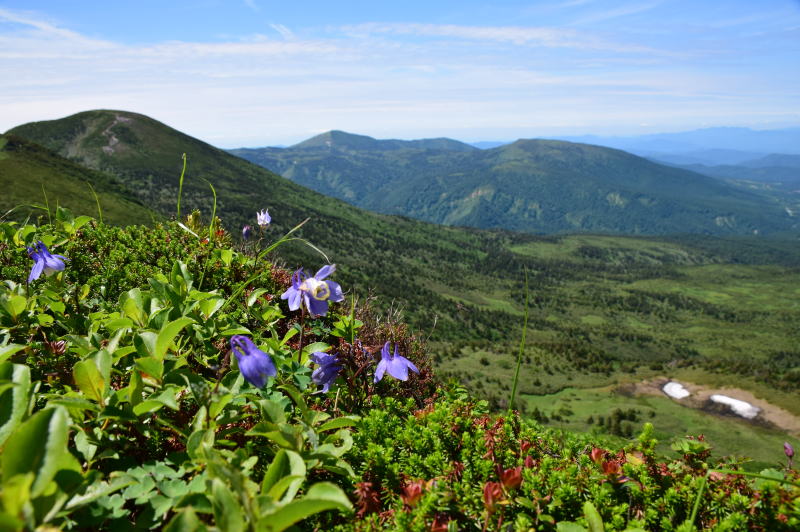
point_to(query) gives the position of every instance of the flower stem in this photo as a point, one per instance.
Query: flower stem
(302, 326)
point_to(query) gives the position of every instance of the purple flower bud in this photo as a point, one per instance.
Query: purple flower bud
(254, 364)
(788, 449)
(327, 371)
(247, 232)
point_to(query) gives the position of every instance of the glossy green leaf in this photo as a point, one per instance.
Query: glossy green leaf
(89, 380)
(151, 366)
(13, 399)
(285, 464)
(185, 521)
(37, 447)
(593, 517)
(167, 335)
(320, 497)
(227, 511)
(8, 350)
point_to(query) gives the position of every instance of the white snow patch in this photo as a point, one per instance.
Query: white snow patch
(675, 390)
(741, 408)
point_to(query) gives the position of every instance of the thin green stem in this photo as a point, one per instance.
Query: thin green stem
(521, 347)
(97, 201)
(696, 506)
(302, 326)
(47, 205)
(210, 234)
(180, 186)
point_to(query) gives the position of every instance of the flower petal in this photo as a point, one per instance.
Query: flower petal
(315, 306)
(36, 271)
(380, 370)
(336, 293)
(325, 271)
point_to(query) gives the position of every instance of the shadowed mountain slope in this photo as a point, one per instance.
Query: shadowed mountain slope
(28, 171)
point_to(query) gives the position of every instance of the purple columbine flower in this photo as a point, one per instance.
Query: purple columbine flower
(263, 218)
(788, 450)
(396, 364)
(254, 364)
(315, 291)
(43, 261)
(327, 371)
(247, 232)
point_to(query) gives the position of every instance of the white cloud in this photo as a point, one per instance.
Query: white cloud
(401, 80)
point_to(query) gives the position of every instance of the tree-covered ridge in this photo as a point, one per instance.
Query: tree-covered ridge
(125, 408)
(539, 186)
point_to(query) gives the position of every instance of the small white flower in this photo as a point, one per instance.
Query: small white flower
(263, 218)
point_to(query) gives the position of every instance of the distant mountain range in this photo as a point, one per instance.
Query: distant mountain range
(539, 186)
(709, 146)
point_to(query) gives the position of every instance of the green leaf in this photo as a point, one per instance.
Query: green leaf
(16, 493)
(89, 380)
(227, 256)
(37, 447)
(185, 521)
(8, 350)
(98, 490)
(210, 306)
(135, 388)
(227, 512)
(569, 526)
(113, 326)
(593, 517)
(338, 423)
(45, 320)
(198, 440)
(272, 410)
(167, 335)
(151, 366)
(258, 292)
(145, 407)
(14, 399)
(235, 330)
(14, 305)
(133, 306)
(286, 464)
(216, 406)
(321, 497)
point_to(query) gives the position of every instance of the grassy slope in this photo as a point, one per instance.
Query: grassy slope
(603, 306)
(27, 171)
(530, 185)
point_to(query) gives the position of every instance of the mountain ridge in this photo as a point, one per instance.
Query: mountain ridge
(532, 185)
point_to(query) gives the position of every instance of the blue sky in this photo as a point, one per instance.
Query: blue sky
(256, 72)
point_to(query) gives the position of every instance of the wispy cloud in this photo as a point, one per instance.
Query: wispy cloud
(622, 11)
(285, 32)
(382, 79)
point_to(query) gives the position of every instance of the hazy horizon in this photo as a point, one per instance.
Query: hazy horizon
(255, 73)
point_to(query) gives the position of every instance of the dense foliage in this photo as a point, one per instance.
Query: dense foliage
(121, 407)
